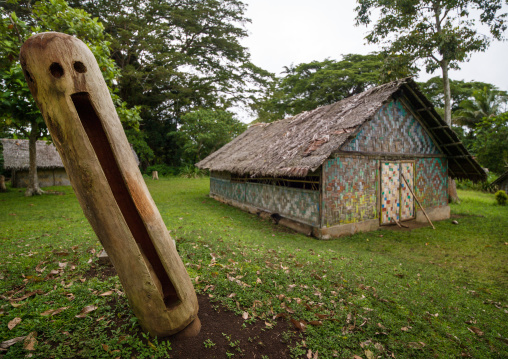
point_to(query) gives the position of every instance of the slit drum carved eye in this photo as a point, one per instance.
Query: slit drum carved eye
(56, 70)
(79, 67)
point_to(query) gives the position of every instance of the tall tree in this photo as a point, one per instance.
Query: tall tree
(460, 90)
(18, 112)
(491, 145)
(204, 131)
(177, 56)
(442, 33)
(309, 85)
(484, 104)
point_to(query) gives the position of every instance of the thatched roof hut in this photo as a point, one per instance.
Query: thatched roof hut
(352, 166)
(50, 169)
(501, 182)
(17, 156)
(300, 144)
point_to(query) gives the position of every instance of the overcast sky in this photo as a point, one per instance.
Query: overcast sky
(283, 32)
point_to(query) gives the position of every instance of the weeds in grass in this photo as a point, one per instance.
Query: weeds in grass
(415, 294)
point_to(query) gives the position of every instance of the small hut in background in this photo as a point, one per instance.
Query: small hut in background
(501, 183)
(50, 169)
(346, 167)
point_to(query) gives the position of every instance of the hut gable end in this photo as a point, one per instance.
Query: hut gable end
(381, 119)
(393, 129)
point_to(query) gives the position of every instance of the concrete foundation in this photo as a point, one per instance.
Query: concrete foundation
(434, 213)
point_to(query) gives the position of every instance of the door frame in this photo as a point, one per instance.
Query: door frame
(380, 193)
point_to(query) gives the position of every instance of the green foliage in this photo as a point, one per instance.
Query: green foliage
(484, 103)
(19, 115)
(491, 144)
(309, 85)
(431, 30)
(16, 103)
(414, 280)
(441, 33)
(460, 90)
(208, 343)
(175, 57)
(501, 197)
(191, 171)
(204, 131)
(467, 184)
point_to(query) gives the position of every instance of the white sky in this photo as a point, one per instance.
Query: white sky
(295, 31)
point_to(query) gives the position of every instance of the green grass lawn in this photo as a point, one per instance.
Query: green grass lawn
(419, 294)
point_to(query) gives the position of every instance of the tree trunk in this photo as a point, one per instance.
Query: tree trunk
(33, 188)
(2, 184)
(447, 93)
(452, 187)
(453, 197)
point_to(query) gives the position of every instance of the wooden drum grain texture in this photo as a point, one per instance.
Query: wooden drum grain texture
(71, 93)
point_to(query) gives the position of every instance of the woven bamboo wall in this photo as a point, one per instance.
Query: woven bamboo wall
(432, 181)
(350, 190)
(293, 203)
(394, 130)
(351, 183)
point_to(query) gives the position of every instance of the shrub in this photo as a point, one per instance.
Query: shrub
(477, 186)
(191, 171)
(501, 197)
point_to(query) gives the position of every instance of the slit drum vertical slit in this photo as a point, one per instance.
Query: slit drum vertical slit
(67, 84)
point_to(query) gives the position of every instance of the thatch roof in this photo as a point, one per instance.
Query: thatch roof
(17, 156)
(500, 179)
(298, 145)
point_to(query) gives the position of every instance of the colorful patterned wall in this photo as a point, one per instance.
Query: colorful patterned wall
(432, 181)
(351, 183)
(393, 130)
(293, 203)
(350, 190)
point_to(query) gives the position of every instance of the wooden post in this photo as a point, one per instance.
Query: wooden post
(71, 93)
(155, 175)
(417, 201)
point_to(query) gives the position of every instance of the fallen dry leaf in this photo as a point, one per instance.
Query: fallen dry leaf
(86, 310)
(15, 305)
(47, 312)
(109, 292)
(30, 342)
(27, 295)
(6, 344)
(269, 325)
(59, 310)
(369, 354)
(245, 315)
(476, 331)
(105, 347)
(300, 325)
(13, 323)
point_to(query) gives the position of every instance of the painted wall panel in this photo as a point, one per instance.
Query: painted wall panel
(394, 130)
(350, 190)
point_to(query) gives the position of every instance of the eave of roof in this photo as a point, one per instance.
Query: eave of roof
(298, 145)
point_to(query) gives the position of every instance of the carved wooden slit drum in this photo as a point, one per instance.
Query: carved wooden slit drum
(69, 89)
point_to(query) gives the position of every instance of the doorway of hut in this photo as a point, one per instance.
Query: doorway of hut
(397, 202)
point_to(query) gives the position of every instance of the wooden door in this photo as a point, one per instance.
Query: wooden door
(397, 202)
(407, 207)
(390, 194)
